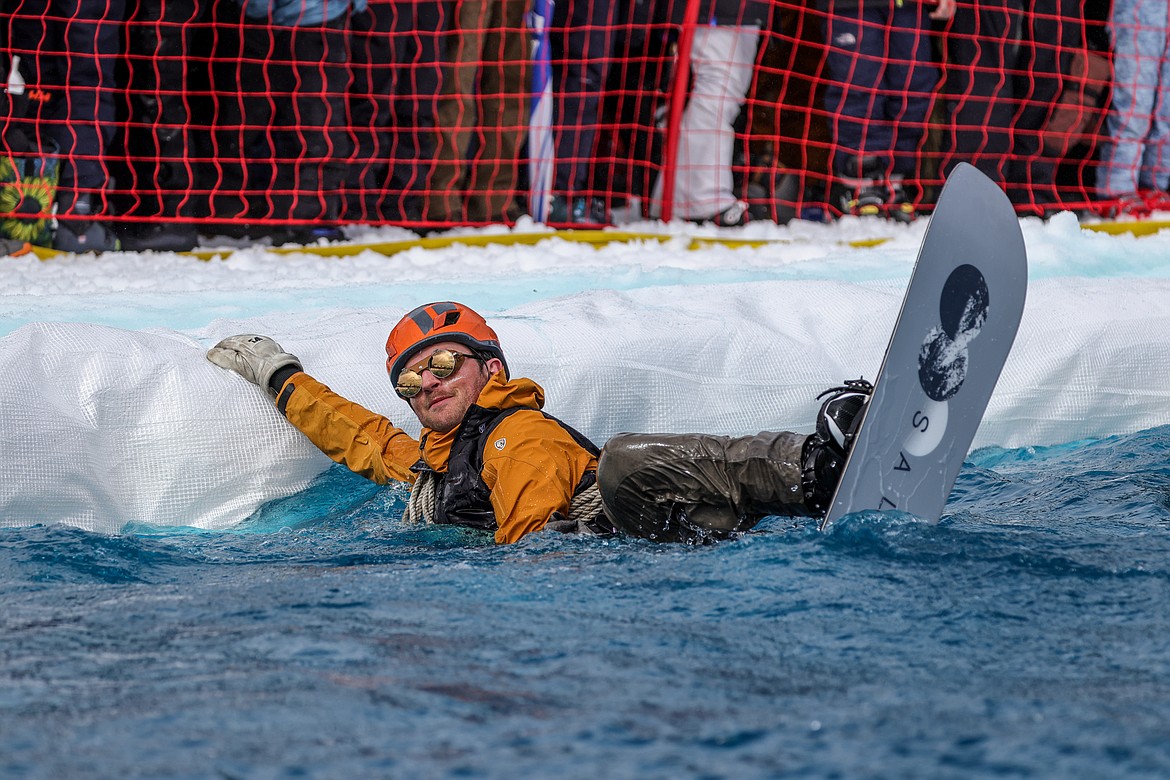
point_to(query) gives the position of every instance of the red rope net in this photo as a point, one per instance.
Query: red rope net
(298, 115)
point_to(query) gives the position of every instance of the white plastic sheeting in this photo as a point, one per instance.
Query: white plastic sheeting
(102, 426)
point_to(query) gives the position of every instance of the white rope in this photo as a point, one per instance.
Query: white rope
(586, 506)
(420, 507)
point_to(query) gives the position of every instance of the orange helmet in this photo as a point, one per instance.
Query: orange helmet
(435, 322)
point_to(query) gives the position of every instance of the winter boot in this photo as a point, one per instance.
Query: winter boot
(901, 207)
(80, 236)
(735, 215)
(83, 233)
(579, 210)
(861, 188)
(14, 247)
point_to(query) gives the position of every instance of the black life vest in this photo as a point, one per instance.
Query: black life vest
(461, 496)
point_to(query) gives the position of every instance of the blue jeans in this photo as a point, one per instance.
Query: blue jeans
(1139, 121)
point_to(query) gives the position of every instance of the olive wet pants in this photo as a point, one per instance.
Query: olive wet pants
(690, 487)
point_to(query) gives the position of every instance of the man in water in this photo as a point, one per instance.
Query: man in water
(489, 458)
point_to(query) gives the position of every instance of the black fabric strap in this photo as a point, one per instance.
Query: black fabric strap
(280, 376)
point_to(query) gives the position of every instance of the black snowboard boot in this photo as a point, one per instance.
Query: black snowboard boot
(823, 458)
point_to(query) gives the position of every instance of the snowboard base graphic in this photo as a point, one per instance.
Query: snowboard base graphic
(955, 330)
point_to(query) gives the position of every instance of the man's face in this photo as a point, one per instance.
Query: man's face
(441, 404)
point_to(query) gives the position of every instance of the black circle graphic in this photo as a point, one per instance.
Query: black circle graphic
(942, 365)
(964, 301)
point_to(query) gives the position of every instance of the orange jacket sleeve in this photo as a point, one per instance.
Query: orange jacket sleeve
(532, 467)
(362, 441)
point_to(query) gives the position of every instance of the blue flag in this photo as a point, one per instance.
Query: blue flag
(541, 151)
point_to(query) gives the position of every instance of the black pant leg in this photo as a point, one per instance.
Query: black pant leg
(581, 39)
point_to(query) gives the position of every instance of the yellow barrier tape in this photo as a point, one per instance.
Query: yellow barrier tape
(594, 237)
(1138, 229)
(389, 248)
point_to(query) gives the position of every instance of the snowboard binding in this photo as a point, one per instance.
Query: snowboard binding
(825, 451)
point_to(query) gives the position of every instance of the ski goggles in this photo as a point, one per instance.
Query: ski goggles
(441, 363)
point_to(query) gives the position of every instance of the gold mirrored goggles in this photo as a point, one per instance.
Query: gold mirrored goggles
(442, 363)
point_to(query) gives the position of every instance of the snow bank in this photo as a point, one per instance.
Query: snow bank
(105, 426)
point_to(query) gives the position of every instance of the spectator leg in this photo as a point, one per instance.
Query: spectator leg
(856, 56)
(503, 103)
(910, 82)
(374, 65)
(582, 40)
(418, 29)
(91, 34)
(319, 120)
(1157, 155)
(722, 61)
(1039, 80)
(1139, 41)
(455, 118)
(979, 52)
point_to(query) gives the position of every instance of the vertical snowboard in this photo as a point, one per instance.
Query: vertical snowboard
(958, 320)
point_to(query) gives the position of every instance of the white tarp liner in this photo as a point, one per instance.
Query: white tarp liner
(103, 426)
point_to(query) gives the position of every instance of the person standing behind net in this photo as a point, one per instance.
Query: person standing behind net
(160, 138)
(489, 458)
(882, 80)
(292, 80)
(1005, 66)
(392, 100)
(722, 63)
(582, 38)
(71, 48)
(484, 95)
(1135, 162)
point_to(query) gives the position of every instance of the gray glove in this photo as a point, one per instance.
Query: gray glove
(255, 358)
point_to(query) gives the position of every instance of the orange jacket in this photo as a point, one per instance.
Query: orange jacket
(531, 464)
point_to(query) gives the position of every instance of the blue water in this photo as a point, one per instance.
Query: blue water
(1026, 635)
